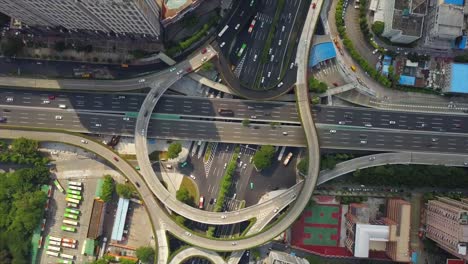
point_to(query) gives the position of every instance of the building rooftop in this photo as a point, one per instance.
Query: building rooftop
(276, 257)
(454, 2)
(321, 52)
(450, 20)
(459, 78)
(366, 233)
(119, 222)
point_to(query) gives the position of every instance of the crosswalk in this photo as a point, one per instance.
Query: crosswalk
(238, 69)
(264, 18)
(209, 162)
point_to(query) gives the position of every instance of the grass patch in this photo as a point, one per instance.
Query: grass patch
(191, 187)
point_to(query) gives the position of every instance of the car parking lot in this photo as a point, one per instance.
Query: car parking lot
(55, 216)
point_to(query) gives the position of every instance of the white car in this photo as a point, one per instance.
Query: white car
(285, 133)
(333, 131)
(368, 125)
(263, 79)
(292, 65)
(240, 164)
(188, 234)
(98, 125)
(255, 57)
(141, 80)
(172, 69)
(46, 102)
(84, 141)
(222, 44)
(223, 217)
(363, 141)
(193, 177)
(9, 99)
(126, 118)
(391, 122)
(279, 42)
(58, 117)
(225, 165)
(276, 210)
(341, 123)
(245, 166)
(237, 27)
(143, 132)
(204, 59)
(269, 74)
(280, 84)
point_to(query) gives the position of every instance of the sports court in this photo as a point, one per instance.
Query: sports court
(319, 225)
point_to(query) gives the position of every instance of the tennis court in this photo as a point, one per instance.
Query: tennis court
(319, 225)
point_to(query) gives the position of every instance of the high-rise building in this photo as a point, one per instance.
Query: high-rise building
(118, 16)
(389, 234)
(403, 20)
(447, 225)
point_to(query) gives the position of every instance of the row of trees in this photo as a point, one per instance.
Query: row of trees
(144, 254)
(108, 187)
(263, 158)
(184, 196)
(22, 151)
(329, 161)
(226, 182)
(350, 47)
(413, 176)
(181, 46)
(21, 201)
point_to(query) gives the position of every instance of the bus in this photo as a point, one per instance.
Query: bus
(74, 205)
(68, 228)
(202, 202)
(69, 240)
(59, 187)
(70, 222)
(71, 216)
(251, 185)
(280, 156)
(74, 183)
(225, 112)
(68, 245)
(50, 253)
(58, 239)
(72, 211)
(252, 25)
(73, 192)
(54, 243)
(67, 256)
(288, 158)
(76, 188)
(223, 30)
(241, 50)
(77, 197)
(71, 200)
(53, 248)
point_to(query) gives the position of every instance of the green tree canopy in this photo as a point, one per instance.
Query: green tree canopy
(263, 157)
(145, 254)
(317, 86)
(303, 165)
(378, 28)
(12, 46)
(183, 195)
(174, 150)
(125, 190)
(246, 122)
(107, 188)
(59, 46)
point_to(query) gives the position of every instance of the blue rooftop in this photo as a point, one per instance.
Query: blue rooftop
(119, 222)
(321, 52)
(407, 80)
(454, 2)
(459, 79)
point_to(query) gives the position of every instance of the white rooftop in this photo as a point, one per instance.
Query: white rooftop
(366, 233)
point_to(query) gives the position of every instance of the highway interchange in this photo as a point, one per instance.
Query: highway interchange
(337, 128)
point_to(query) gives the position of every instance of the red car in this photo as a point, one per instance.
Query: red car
(314, 5)
(116, 159)
(203, 51)
(335, 84)
(189, 69)
(51, 97)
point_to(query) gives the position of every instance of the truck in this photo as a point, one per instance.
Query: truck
(201, 203)
(287, 159)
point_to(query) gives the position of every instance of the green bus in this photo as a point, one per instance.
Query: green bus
(183, 164)
(68, 228)
(73, 192)
(251, 186)
(241, 50)
(71, 216)
(77, 197)
(72, 211)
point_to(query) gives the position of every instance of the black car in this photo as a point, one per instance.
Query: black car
(211, 200)
(137, 184)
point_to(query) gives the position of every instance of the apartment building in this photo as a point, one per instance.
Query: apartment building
(389, 234)
(119, 16)
(447, 225)
(445, 22)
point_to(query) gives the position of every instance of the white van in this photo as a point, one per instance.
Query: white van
(62, 106)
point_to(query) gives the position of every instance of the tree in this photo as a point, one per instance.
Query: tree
(24, 146)
(59, 46)
(127, 261)
(378, 28)
(263, 157)
(315, 100)
(107, 188)
(100, 261)
(12, 46)
(207, 66)
(174, 150)
(145, 254)
(246, 122)
(303, 165)
(125, 190)
(183, 195)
